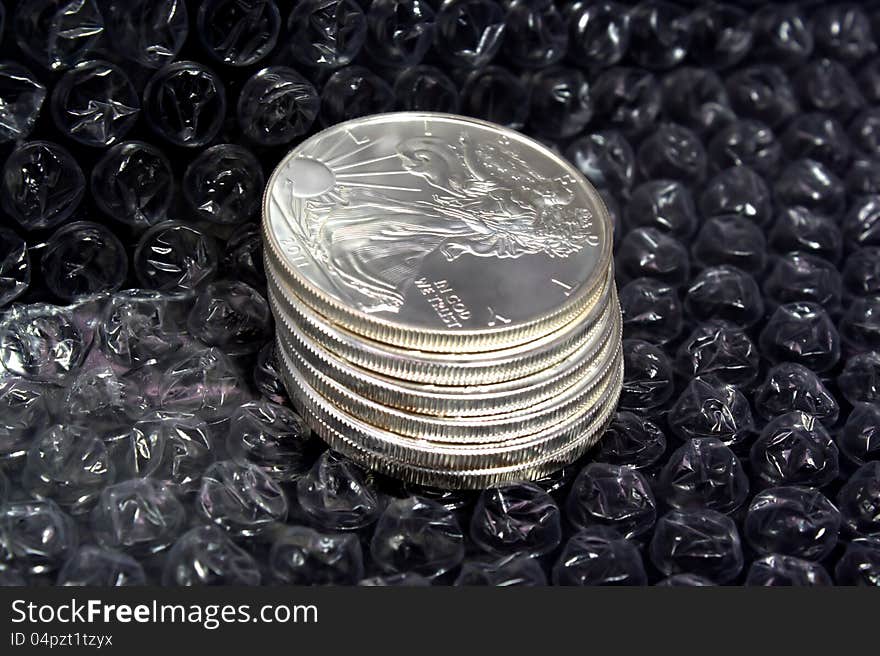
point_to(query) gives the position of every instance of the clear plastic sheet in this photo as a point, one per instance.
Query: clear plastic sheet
(145, 434)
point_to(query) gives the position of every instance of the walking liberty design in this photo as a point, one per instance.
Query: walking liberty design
(370, 230)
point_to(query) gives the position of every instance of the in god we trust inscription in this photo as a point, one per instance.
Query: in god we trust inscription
(411, 228)
(446, 302)
(444, 297)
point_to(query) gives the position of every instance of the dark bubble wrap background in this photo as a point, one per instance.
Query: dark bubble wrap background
(145, 436)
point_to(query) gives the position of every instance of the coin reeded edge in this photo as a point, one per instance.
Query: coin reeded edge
(477, 478)
(454, 369)
(459, 401)
(426, 453)
(492, 428)
(387, 331)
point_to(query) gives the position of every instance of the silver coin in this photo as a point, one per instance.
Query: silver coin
(463, 430)
(436, 232)
(443, 368)
(487, 473)
(416, 452)
(475, 478)
(457, 401)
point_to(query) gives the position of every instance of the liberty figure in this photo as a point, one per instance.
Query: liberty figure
(484, 202)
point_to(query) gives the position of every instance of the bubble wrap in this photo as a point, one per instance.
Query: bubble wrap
(146, 437)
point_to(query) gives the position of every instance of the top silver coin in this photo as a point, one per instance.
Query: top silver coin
(436, 232)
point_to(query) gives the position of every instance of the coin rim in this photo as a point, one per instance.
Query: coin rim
(459, 430)
(438, 339)
(454, 369)
(447, 400)
(477, 478)
(430, 454)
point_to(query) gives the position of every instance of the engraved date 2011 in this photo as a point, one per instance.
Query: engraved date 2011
(447, 304)
(294, 252)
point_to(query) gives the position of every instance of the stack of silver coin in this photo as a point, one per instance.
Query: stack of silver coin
(444, 298)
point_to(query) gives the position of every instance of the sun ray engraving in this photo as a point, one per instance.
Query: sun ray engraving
(368, 174)
(352, 136)
(350, 153)
(328, 154)
(458, 198)
(366, 162)
(289, 219)
(367, 185)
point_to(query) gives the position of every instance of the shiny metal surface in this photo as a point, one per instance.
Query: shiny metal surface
(446, 455)
(485, 368)
(463, 430)
(458, 401)
(477, 478)
(444, 298)
(436, 232)
(477, 469)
